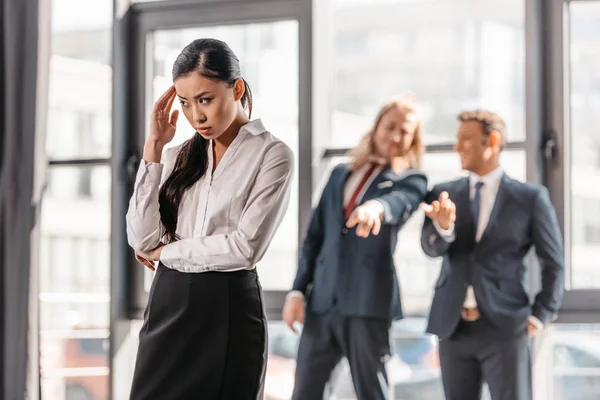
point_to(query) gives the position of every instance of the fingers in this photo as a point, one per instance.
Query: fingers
(442, 209)
(169, 95)
(371, 225)
(445, 208)
(147, 263)
(160, 101)
(300, 315)
(289, 321)
(427, 208)
(291, 314)
(174, 116)
(366, 222)
(352, 220)
(376, 226)
(362, 229)
(452, 212)
(431, 210)
(444, 203)
(447, 212)
(169, 104)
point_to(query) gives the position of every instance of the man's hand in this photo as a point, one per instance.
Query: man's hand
(293, 310)
(532, 329)
(442, 210)
(470, 314)
(368, 218)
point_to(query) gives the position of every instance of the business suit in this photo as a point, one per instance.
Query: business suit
(350, 284)
(487, 255)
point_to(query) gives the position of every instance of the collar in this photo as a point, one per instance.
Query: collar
(382, 161)
(491, 179)
(254, 127)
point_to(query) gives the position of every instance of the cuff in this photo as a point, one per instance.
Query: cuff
(169, 255)
(295, 293)
(446, 234)
(535, 321)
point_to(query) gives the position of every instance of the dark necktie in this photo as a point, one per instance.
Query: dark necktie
(476, 204)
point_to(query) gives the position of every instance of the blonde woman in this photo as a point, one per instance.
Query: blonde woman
(346, 270)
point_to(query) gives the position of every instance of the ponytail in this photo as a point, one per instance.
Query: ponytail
(190, 166)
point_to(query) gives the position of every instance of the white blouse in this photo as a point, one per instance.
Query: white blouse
(227, 219)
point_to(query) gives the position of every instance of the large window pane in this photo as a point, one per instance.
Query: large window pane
(268, 54)
(585, 144)
(75, 218)
(74, 283)
(451, 55)
(79, 115)
(568, 362)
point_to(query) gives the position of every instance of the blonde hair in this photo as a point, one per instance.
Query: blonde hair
(361, 154)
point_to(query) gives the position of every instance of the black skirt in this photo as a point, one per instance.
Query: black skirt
(204, 337)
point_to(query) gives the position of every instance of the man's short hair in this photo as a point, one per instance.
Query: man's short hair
(489, 121)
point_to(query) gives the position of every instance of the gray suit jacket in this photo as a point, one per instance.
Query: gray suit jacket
(522, 217)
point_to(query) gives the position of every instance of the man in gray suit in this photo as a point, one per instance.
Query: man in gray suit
(483, 226)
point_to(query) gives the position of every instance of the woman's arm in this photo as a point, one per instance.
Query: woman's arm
(404, 199)
(144, 229)
(262, 215)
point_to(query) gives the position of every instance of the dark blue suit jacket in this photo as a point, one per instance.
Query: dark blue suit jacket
(522, 217)
(357, 274)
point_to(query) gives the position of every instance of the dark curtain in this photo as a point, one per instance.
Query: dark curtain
(18, 57)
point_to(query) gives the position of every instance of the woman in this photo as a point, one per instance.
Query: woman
(346, 268)
(224, 194)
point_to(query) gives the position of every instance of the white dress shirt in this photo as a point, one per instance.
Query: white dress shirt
(354, 180)
(488, 193)
(227, 219)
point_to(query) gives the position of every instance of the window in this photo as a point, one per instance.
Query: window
(585, 136)
(272, 73)
(570, 355)
(452, 55)
(75, 214)
(584, 358)
(270, 40)
(592, 234)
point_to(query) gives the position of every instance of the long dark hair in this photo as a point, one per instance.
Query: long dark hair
(212, 59)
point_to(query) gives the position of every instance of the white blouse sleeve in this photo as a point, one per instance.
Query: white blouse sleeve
(261, 216)
(144, 229)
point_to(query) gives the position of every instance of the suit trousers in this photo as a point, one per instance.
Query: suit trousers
(474, 354)
(326, 338)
